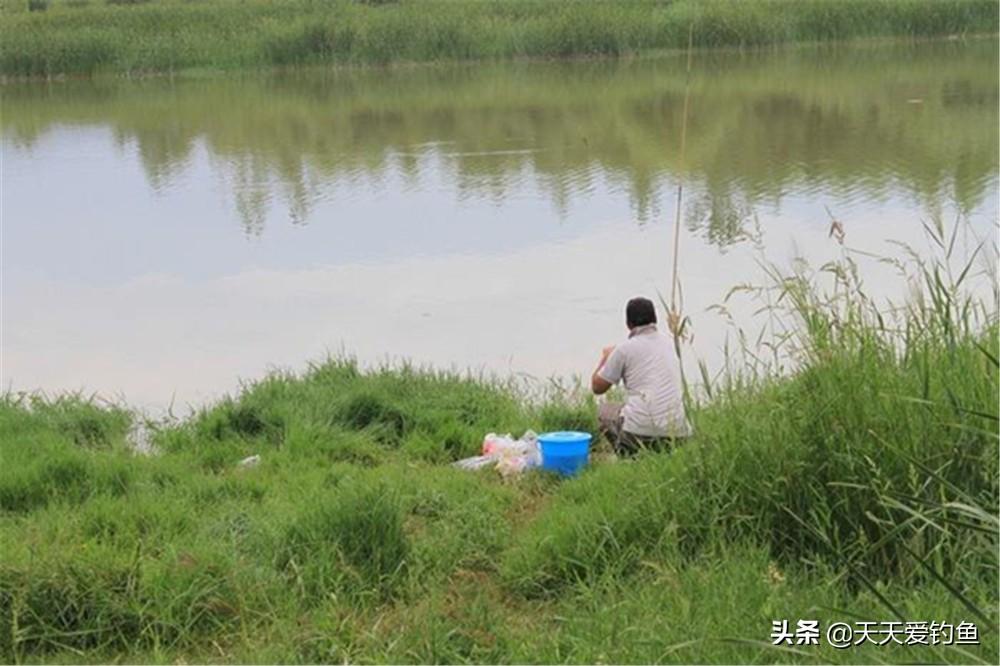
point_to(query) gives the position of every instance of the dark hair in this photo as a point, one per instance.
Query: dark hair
(639, 312)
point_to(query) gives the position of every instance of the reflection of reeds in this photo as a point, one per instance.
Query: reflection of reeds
(83, 38)
(276, 144)
(862, 485)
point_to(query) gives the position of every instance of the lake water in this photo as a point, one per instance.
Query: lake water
(164, 239)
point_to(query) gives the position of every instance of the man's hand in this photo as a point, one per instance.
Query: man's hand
(605, 353)
(598, 384)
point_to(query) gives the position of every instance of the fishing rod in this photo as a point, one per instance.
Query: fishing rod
(675, 321)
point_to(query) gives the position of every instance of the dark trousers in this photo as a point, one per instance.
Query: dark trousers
(626, 443)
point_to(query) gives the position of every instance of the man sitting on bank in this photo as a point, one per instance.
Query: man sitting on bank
(653, 413)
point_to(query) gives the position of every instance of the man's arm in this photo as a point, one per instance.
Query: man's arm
(599, 385)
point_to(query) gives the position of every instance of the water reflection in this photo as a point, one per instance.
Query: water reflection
(163, 238)
(860, 123)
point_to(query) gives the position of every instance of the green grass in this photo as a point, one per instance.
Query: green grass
(174, 35)
(862, 487)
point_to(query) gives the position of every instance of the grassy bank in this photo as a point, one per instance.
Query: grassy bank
(864, 487)
(91, 36)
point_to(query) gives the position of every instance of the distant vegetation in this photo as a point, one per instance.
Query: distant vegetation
(864, 487)
(43, 38)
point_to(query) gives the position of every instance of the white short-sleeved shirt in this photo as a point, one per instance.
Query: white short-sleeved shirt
(648, 366)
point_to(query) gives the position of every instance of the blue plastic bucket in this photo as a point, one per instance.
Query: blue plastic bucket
(565, 452)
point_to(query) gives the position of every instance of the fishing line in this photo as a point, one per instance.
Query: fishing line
(674, 320)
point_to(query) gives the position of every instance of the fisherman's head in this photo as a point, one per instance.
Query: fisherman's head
(638, 312)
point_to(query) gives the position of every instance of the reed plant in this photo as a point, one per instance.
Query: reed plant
(173, 35)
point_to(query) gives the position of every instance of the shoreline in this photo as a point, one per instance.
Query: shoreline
(173, 39)
(210, 73)
(351, 523)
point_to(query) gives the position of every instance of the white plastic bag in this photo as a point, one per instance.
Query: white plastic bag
(475, 462)
(511, 456)
(494, 444)
(534, 449)
(251, 461)
(515, 456)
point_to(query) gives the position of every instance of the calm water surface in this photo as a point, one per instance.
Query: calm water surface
(164, 239)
